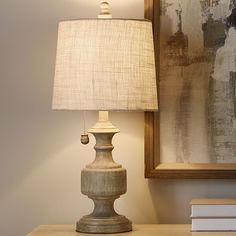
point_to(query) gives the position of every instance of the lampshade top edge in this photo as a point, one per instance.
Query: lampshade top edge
(105, 19)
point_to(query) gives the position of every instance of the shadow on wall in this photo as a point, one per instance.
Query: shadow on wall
(35, 177)
(36, 144)
(171, 198)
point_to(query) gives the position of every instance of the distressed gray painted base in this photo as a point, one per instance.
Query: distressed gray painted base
(103, 181)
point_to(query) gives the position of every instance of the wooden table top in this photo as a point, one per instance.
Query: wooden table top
(138, 230)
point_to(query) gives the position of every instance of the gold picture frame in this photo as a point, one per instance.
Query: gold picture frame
(153, 166)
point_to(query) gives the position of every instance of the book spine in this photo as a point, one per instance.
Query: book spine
(213, 211)
(215, 224)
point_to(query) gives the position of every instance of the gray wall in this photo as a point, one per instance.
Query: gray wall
(40, 151)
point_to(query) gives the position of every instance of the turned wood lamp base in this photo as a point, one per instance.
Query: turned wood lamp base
(103, 181)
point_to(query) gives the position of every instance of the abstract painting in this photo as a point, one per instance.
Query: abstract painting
(197, 81)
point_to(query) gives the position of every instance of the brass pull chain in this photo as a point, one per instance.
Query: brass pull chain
(84, 137)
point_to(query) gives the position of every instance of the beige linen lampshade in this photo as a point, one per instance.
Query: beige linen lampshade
(105, 64)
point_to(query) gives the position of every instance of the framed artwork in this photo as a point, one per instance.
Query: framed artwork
(193, 135)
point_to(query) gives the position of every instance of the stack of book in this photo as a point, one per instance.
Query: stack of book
(213, 214)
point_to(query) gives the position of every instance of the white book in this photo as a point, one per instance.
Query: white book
(216, 224)
(213, 208)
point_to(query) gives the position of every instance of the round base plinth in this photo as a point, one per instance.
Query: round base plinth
(115, 224)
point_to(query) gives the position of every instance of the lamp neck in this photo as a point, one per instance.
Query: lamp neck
(103, 125)
(103, 116)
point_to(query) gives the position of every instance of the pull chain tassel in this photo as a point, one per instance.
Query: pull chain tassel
(84, 139)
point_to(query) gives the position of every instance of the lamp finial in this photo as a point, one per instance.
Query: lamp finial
(105, 11)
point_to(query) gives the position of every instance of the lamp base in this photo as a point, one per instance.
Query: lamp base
(103, 181)
(115, 224)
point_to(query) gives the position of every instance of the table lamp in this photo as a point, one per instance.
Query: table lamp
(104, 64)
